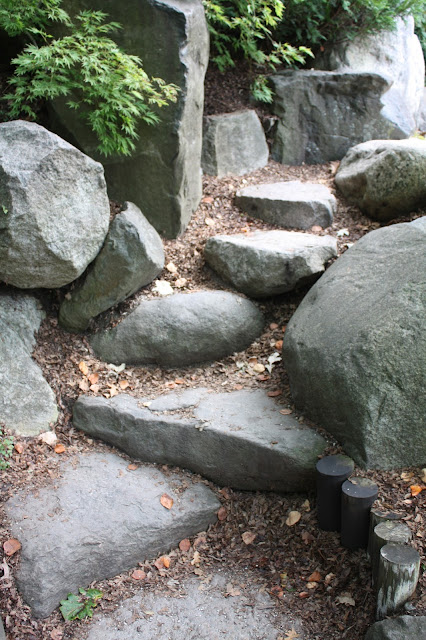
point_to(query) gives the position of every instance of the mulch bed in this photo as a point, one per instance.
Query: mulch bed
(281, 559)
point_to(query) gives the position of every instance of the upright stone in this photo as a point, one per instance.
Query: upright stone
(163, 175)
(131, 258)
(233, 143)
(54, 209)
(322, 114)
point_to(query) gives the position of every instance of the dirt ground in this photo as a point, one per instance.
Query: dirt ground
(282, 559)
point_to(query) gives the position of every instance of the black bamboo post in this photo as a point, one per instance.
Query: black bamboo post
(332, 471)
(397, 580)
(378, 515)
(358, 495)
(386, 532)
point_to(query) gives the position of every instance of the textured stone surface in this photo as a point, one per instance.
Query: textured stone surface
(182, 329)
(98, 520)
(55, 207)
(292, 205)
(163, 175)
(322, 114)
(131, 258)
(203, 611)
(27, 403)
(233, 143)
(421, 123)
(355, 349)
(396, 55)
(402, 628)
(236, 439)
(267, 263)
(385, 178)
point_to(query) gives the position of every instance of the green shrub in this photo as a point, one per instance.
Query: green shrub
(6, 448)
(107, 86)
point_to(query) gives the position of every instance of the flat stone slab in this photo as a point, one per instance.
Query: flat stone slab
(182, 329)
(233, 143)
(98, 520)
(238, 439)
(27, 403)
(402, 628)
(292, 205)
(268, 263)
(199, 610)
(132, 256)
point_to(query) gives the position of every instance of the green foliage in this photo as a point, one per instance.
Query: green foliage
(79, 607)
(6, 444)
(108, 87)
(320, 23)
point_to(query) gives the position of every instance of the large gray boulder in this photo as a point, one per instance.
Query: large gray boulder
(236, 439)
(385, 178)
(131, 258)
(27, 403)
(268, 263)
(355, 350)
(402, 628)
(163, 175)
(54, 212)
(322, 114)
(98, 520)
(182, 329)
(233, 143)
(397, 56)
(292, 205)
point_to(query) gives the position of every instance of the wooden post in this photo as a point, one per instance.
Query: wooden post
(332, 471)
(386, 532)
(397, 580)
(377, 516)
(358, 495)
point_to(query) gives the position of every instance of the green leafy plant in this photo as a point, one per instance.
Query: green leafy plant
(243, 28)
(108, 87)
(79, 607)
(6, 448)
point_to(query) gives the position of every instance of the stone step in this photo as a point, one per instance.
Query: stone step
(207, 610)
(238, 439)
(268, 263)
(292, 205)
(99, 519)
(184, 328)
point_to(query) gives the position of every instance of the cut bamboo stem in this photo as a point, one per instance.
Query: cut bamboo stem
(386, 532)
(377, 516)
(332, 471)
(358, 495)
(397, 578)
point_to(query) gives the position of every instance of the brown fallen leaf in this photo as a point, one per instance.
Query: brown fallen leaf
(346, 599)
(293, 518)
(83, 385)
(166, 561)
(93, 378)
(11, 546)
(59, 448)
(423, 475)
(56, 634)
(314, 577)
(138, 574)
(286, 412)
(159, 563)
(279, 345)
(222, 514)
(307, 537)
(185, 545)
(291, 635)
(209, 222)
(273, 326)
(207, 200)
(259, 368)
(132, 467)
(19, 447)
(263, 378)
(180, 381)
(231, 590)
(416, 489)
(180, 283)
(248, 537)
(274, 394)
(303, 594)
(196, 559)
(166, 501)
(83, 368)
(48, 437)
(171, 267)
(124, 384)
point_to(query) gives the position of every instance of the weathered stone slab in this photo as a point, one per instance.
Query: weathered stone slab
(27, 403)
(322, 114)
(163, 175)
(233, 143)
(268, 263)
(236, 439)
(203, 611)
(385, 178)
(396, 55)
(55, 209)
(402, 628)
(355, 350)
(98, 520)
(131, 258)
(182, 329)
(292, 205)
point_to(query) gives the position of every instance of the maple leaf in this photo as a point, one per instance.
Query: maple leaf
(291, 635)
